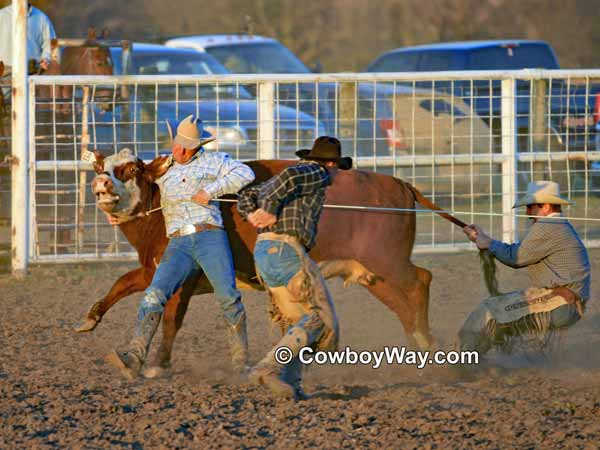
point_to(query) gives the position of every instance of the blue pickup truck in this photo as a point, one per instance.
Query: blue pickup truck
(570, 120)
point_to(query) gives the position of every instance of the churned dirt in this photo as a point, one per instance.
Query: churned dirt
(57, 392)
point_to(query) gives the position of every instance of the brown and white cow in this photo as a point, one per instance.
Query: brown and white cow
(381, 242)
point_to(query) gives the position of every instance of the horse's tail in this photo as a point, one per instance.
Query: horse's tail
(487, 260)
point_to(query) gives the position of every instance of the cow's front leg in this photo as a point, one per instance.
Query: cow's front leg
(350, 270)
(134, 281)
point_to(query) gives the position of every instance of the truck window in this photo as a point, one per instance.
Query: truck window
(164, 63)
(396, 62)
(513, 57)
(441, 60)
(267, 57)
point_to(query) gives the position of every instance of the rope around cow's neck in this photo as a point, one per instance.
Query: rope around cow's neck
(383, 209)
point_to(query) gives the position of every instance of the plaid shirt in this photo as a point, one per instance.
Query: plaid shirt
(214, 172)
(295, 196)
(553, 254)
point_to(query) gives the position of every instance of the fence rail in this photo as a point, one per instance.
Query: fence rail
(469, 140)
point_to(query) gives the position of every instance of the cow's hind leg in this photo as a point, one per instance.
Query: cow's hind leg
(419, 296)
(409, 300)
(134, 281)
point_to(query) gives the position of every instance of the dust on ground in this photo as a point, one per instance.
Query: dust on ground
(57, 392)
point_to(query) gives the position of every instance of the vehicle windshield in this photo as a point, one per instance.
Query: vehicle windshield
(166, 63)
(176, 62)
(267, 57)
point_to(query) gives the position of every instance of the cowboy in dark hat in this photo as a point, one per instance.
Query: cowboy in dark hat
(286, 210)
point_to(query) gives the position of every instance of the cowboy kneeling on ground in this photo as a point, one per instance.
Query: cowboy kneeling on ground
(559, 274)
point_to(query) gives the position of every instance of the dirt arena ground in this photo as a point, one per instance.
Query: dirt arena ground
(56, 391)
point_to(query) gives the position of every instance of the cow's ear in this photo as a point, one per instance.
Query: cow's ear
(99, 163)
(157, 168)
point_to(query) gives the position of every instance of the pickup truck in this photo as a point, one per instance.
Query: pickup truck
(229, 112)
(571, 124)
(370, 136)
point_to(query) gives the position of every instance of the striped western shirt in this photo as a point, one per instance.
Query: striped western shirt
(553, 254)
(214, 172)
(296, 196)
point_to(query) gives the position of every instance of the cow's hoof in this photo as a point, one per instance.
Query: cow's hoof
(368, 279)
(156, 372)
(363, 278)
(128, 364)
(87, 325)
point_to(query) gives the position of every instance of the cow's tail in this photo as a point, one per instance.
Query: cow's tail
(487, 260)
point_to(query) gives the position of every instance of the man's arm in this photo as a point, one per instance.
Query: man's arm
(233, 175)
(47, 33)
(534, 247)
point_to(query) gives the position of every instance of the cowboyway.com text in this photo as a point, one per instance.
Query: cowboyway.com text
(389, 355)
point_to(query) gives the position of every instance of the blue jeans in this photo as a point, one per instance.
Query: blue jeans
(208, 251)
(277, 262)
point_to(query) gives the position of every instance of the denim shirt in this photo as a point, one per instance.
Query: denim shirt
(39, 34)
(214, 172)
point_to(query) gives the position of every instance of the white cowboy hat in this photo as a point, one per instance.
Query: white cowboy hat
(190, 132)
(542, 192)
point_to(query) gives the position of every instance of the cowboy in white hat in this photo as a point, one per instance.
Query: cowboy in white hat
(559, 273)
(197, 241)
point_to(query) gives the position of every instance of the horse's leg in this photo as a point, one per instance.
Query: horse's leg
(173, 315)
(134, 281)
(409, 300)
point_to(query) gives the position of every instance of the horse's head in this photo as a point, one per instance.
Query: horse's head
(91, 58)
(123, 184)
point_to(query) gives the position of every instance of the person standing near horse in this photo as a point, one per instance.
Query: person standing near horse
(40, 33)
(197, 242)
(286, 211)
(559, 273)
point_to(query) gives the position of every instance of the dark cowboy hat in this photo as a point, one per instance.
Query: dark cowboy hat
(326, 148)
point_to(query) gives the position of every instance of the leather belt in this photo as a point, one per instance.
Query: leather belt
(195, 228)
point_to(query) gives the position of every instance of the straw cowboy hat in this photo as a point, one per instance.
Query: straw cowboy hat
(326, 148)
(190, 132)
(542, 192)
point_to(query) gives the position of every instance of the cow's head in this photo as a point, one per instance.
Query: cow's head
(123, 184)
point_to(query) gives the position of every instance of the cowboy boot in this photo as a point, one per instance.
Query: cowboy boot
(130, 359)
(292, 374)
(268, 371)
(238, 343)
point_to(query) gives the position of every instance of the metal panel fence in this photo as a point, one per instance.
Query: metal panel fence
(469, 140)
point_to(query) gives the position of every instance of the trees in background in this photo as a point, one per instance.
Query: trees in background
(345, 35)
